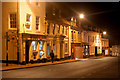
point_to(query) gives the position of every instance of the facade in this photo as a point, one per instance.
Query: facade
(105, 46)
(116, 50)
(43, 29)
(29, 18)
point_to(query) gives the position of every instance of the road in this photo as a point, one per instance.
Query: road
(106, 67)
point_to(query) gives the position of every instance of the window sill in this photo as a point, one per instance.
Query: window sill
(28, 30)
(12, 29)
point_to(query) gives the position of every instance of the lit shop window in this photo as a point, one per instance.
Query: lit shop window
(13, 20)
(54, 48)
(41, 45)
(28, 21)
(47, 49)
(37, 22)
(34, 45)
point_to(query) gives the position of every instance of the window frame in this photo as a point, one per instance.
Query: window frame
(9, 25)
(38, 23)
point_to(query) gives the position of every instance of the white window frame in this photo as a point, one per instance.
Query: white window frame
(9, 21)
(39, 24)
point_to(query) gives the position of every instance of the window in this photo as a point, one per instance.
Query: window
(47, 49)
(54, 48)
(66, 31)
(28, 17)
(66, 47)
(63, 30)
(37, 22)
(71, 34)
(28, 20)
(41, 45)
(53, 29)
(13, 20)
(48, 28)
(59, 29)
(34, 45)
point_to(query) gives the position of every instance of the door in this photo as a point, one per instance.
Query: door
(27, 52)
(78, 52)
(95, 51)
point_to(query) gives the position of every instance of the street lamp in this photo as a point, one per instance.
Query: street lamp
(81, 16)
(104, 33)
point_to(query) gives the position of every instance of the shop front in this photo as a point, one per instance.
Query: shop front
(34, 47)
(77, 50)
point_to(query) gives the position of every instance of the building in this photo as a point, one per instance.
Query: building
(116, 50)
(29, 19)
(34, 28)
(105, 46)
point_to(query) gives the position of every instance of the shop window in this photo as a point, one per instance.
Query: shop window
(34, 45)
(54, 48)
(41, 45)
(47, 49)
(13, 20)
(37, 22)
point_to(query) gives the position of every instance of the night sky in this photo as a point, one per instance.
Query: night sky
(106, 15)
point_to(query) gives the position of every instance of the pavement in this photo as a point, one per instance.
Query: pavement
(19, 66)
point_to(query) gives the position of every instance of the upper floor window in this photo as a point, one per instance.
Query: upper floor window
(66, 47)
(71, 34)
(28, 17)
(37, 22)
(66, 31)
(53, 29)
(28, 20)
(63, 30)
(13, 20)
(48, 28)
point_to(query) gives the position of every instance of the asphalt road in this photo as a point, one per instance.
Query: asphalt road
(106, 67)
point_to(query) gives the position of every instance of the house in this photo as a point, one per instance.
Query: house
(27, 21)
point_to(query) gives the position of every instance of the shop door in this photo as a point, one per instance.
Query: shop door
(95, 51)
(27, 52)
(78, 52)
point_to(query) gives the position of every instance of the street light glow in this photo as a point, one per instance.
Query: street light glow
(81, 16)
(104, 32)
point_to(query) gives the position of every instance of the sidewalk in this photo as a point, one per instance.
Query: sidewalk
(19, 66)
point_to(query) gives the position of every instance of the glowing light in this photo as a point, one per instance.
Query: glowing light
(104, 32)
(81, 16)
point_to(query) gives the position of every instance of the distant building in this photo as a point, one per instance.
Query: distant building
(116, 50)
(105, 46)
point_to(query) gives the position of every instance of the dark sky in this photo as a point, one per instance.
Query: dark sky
(104, 14)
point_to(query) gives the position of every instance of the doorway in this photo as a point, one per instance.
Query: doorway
(95, 51)
(27, 52)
